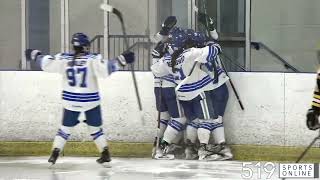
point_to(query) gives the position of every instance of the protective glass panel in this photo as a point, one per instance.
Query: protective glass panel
(86, 17)
(229, 18)
(290, 28)
(137, 23)
(43, 27)
(10, 38)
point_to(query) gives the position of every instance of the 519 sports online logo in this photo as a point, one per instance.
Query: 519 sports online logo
(268, 170)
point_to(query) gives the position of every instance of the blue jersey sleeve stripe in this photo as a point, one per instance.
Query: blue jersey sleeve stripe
(80, 100)
(195, 83)
(189, 89)
(72, 93)
(81, 97)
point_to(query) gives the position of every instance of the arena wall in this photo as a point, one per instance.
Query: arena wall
(275, 106)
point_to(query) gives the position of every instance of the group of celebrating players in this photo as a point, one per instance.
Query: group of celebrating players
(190, 90)
(191, 93)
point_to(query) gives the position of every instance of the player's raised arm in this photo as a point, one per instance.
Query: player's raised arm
(46, 63)
(104, 67)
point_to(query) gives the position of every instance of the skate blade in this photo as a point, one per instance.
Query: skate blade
(106, 165)
(216, 157)
(51, 165)
(165, 157)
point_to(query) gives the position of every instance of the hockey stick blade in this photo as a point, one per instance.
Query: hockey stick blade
(108, 8)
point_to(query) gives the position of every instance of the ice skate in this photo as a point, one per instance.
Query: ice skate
(105, 157)
(163, 153)
(54, 156)
(223, 154)
(191, 151)
(203, 153)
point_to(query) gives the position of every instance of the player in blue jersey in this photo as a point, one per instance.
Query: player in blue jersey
(80, 72)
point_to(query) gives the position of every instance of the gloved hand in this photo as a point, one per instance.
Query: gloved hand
(31, 54)
(313, 119)
(167, 25)
(126, 57)
(159, 50)
(207, 21)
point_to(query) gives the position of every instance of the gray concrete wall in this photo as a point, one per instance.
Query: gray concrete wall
(290, 27)
(10, 36)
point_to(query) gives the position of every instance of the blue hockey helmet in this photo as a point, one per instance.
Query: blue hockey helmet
(80, 40)
(176, 40)
(199, 39)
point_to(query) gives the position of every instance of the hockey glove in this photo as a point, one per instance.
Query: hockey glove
(313, 119)
(207, 21)
(126, 57)
(31, 54)
(159, 50)
(168, 25)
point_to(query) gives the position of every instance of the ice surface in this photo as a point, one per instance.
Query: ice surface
(78, 168)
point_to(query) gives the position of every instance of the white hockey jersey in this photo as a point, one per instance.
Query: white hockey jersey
(189, 86)
(164, 81)
(80, 83)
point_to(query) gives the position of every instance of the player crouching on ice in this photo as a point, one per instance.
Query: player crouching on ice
(80, 71)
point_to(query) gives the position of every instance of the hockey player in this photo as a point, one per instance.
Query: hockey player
(220, 94)
(314, 112)
(80, 71)
(192, 89)
(171, 118)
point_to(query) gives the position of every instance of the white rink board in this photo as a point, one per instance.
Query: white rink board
(262, 120)
(30, 108)
(299, 92)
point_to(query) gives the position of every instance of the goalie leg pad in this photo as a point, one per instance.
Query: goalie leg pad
(98, 137)
(61, 137)
(176, 125)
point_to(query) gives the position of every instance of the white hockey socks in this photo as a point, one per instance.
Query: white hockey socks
(164, 119)
(61, 137)
(218, 131)
(175, 127)
(98, 137)
(192, 130)
(204, 130)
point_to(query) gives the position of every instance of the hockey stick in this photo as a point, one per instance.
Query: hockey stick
(107, 8)
(307, 149)
(230, 81)
(233, 88)
(157, 139)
